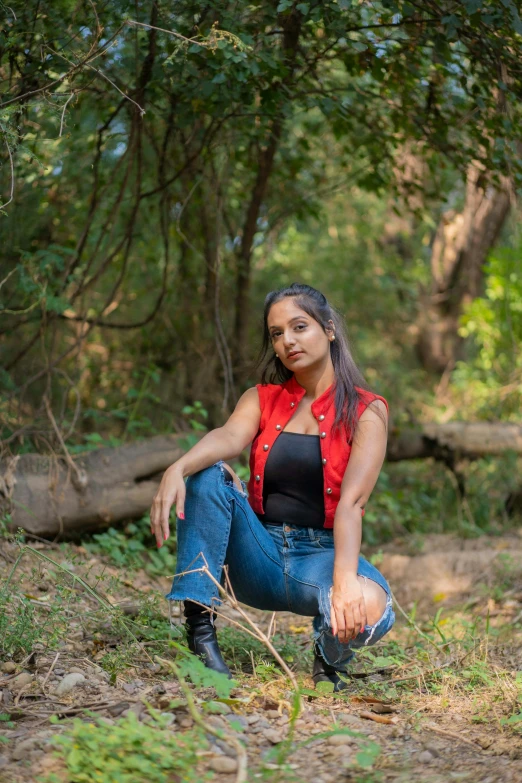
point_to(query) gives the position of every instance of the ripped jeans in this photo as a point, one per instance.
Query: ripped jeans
(271, 567)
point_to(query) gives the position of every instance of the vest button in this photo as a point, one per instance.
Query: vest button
(323, 434)
(292, 404)
(329, 491)
(258, 478)
(321, 417)
(265, 447)
(324, 460)
(278, 426)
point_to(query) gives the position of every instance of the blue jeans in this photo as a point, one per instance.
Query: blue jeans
(271, 567)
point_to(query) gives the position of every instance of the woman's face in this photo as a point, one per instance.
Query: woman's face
(293, 330)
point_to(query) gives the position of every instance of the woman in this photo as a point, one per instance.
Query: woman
(292, 541)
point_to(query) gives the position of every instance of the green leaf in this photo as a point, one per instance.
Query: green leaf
(368, 754)
(324, 687)
(202, 677)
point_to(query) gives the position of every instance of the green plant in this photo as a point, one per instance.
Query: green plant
(239, 646)
(129, 751)
(133, 547)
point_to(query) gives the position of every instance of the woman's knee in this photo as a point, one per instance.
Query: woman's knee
(201, 479)
(375, 600)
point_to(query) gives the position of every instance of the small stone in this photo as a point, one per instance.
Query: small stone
(219, 708)
(186, 722)
(273, 735)
(129, 687)
(224, 748)
(23, 749)
(138, 708)
(21, 680)
(425, 757)
(251, 719)
(216, 721)
(8, 667)
(6, 697)
(223, 764)
(76, 670)
(349, 719)
(272, 714)
(339, 739)
(36, 754)
(59, 672)
(69, 682)
(168, 718)
(117, 709)
(240, 720)
(4, 761)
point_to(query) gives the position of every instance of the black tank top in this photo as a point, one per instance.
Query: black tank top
(293, 482)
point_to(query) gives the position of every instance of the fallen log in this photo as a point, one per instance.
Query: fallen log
(470, 440)
(51, 496)
(47, 497)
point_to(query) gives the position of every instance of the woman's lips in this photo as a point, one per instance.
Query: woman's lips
(295, 355)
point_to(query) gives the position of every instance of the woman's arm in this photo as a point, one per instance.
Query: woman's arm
(223, 443)
(361, 474)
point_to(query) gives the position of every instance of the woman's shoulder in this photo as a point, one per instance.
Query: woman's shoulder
(271, 388)
(366, 397)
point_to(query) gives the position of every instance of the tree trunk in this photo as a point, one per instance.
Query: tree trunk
(291, 24)
(462, 242)
(48, 497)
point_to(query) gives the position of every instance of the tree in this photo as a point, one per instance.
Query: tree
(181, 137)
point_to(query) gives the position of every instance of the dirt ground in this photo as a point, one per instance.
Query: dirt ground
(432, 701)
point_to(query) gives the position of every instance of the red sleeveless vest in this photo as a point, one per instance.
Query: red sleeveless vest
(278, 403)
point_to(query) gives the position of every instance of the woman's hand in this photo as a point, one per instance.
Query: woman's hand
(171, 490)
(347, 609)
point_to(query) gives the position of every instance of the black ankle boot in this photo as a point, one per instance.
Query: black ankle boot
(324, 672)
(202, 641)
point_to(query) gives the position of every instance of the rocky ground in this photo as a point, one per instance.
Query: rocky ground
(437, 700)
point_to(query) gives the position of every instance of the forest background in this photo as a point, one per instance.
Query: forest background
(165, 165)
(164, 168)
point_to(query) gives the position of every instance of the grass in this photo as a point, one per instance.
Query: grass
(461, 659)
(128, 751)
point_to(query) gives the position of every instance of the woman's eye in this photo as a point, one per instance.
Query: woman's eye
(275, 334)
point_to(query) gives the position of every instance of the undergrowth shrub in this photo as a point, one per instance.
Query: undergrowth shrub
(128, 751)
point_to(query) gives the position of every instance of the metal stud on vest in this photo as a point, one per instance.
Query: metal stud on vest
(278, 403)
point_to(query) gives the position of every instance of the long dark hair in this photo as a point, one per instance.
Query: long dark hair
(347, 374)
